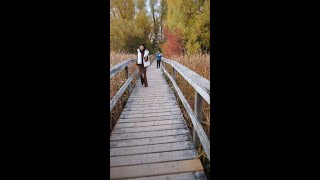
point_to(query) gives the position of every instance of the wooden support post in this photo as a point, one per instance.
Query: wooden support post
(127, 76)
(198, 115)
(174, 74)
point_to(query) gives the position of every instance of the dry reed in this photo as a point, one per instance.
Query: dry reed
(116, 82)
(199, 63)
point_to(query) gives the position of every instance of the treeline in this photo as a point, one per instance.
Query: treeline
(174, 26)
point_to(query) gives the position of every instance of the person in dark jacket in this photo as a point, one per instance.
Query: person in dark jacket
(143, 54)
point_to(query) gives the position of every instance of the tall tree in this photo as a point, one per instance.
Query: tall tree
(192, 17)
(129, 24)
(163, 12)
(153, 4)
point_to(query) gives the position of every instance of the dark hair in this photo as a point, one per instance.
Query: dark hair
(144, 47)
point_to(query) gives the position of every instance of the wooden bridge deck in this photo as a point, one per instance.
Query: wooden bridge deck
(151, 139)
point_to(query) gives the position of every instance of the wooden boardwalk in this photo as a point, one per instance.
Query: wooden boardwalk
(151, 140)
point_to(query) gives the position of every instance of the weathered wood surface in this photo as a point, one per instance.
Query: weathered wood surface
(151, 139)
(123, 88)
(196, 124)
(181, 176)
(117, 68)
(151, 148)
(156, 169)
(199, 83)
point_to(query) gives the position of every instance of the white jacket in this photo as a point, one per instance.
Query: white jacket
(146, 53)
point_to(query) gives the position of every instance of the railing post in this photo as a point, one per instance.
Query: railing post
(174, 74)
(198, 114)
(127, 76)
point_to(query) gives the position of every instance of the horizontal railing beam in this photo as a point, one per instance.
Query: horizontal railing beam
(123, 88)
(199, 83)
(117, 68)
(196, 123)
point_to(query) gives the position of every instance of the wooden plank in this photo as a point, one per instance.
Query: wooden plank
(145, 111)
(155, 103)
(123, 88)
(128, 109)
(155, 169)
(149, 124)
(196, 124)
(199, 175)
(148, 115)
(149, 94)
(150, 101)
(160, 98)
(168, 104)
(152, 96)
(149, 141)
(122, 130)
(148, 134)
(155, 118)
(152, 158)
(151, 148)
(117, 68)
(154, 87)
(143, 98)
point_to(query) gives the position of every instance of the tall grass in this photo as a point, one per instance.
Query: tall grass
(199, 63)
(116, 82)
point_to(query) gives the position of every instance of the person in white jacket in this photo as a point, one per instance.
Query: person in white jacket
(143, 54)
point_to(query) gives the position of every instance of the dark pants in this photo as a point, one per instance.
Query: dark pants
(143, 74)
(158, 64)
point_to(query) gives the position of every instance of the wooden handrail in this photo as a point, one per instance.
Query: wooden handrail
(202, 88)
(117, 69)
(199, 83)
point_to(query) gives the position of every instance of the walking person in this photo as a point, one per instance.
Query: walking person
(158, 56)
(142, 61)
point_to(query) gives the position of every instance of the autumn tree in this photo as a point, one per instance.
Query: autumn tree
(129, 24)
(187, 25)
(174, 42)
(192, 17)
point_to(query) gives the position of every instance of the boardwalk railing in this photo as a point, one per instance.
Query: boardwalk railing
(117, 69)
(202, 88)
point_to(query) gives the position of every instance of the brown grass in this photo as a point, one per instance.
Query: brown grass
(116, 82)
(199, 63)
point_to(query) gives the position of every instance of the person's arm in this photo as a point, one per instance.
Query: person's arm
(146, 53)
